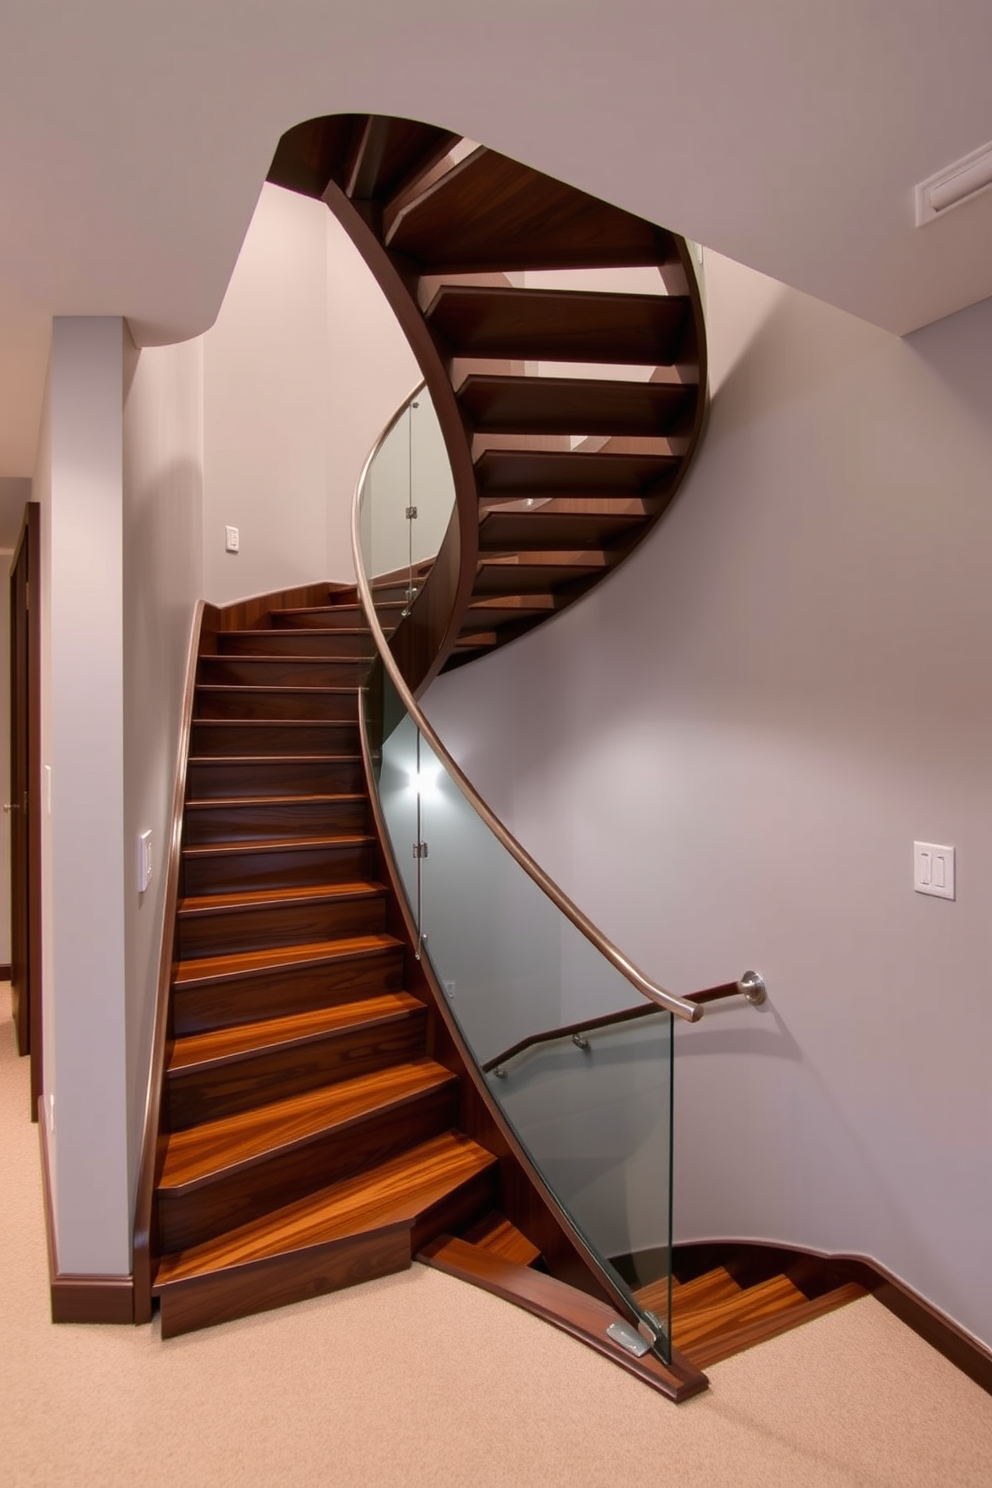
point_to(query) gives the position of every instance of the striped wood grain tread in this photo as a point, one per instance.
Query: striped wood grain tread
(223, 1046)
(761, 1329)
(396, 1191)
(703, 1291)
(201, 1154)
(207, 969)
(495, 1233)
(251, 899)
(692, 1329)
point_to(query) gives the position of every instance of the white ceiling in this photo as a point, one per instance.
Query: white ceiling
(787, 134)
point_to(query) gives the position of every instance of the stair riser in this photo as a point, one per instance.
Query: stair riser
(301, 989)
(218, 780)
(257, 823)
(334, 619)
(520, 578)
(279, 1280)
(300, 641)
(206, 1095)
(226, 932)
(215, 737)
(232, 872)
(256, 703)
(206, 1212)
(277, 671)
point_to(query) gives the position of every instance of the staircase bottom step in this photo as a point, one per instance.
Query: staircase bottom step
(364, 1227)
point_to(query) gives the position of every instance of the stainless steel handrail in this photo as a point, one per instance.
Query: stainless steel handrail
(681, 1007)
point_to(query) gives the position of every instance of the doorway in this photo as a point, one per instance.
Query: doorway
(23, 806)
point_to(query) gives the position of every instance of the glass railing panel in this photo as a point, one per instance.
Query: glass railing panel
(593, 1111)
(596, 1105)
(409, 496)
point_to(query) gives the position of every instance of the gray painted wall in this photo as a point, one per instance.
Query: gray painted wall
(163, 578)
(726, 753)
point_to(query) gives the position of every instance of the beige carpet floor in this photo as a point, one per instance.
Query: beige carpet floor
(418, 1380)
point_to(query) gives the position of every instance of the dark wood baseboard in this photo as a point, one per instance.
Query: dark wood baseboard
(76, 1298)
(5, 971)
(753, 1257)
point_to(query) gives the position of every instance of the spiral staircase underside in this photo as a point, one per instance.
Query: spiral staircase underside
(570, 407)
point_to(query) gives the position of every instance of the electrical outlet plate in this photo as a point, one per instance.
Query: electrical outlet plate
(933, 869)
(233, 543)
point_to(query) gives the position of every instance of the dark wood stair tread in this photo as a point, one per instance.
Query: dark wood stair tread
(205, 970)
(497, 1234)
(504, 579)
(395, 1192)
(491, 213)
(559, 325)
(214, 803)
(275, 844)
(571, 405)
(203, 1153)
(519, 474)
(227, 1045)
(249, 899)
(510, 531)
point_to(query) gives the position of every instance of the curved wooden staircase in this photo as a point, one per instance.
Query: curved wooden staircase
(570, 402)
(314, 1117)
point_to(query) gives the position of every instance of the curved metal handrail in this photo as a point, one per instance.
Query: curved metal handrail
(682, 1008)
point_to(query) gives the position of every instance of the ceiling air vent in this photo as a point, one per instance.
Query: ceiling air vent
(954, 185)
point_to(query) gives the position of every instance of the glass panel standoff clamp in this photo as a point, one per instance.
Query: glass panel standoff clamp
(580, 1041)
(420, 851)
(411, 513)
(627, 1338)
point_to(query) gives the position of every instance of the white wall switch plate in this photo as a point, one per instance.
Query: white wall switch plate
(233, 544)
(144, 860)
(933, 869)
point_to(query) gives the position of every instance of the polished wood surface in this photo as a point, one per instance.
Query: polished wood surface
(223, 991)
(294, 1055)
(263, 818)
(488, 217)
(302, 703)
(309, 641)
(715, 1315)
(394, 1192)
(517, 475)
(195, 1156)
(558, 325)
(563, 405)
(497, 1234)
(491, 212)
(723, 1344)
(555, 529)
(261, 736)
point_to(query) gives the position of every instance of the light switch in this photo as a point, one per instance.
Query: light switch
(144, 860)
(233, 544)
(933, 869)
